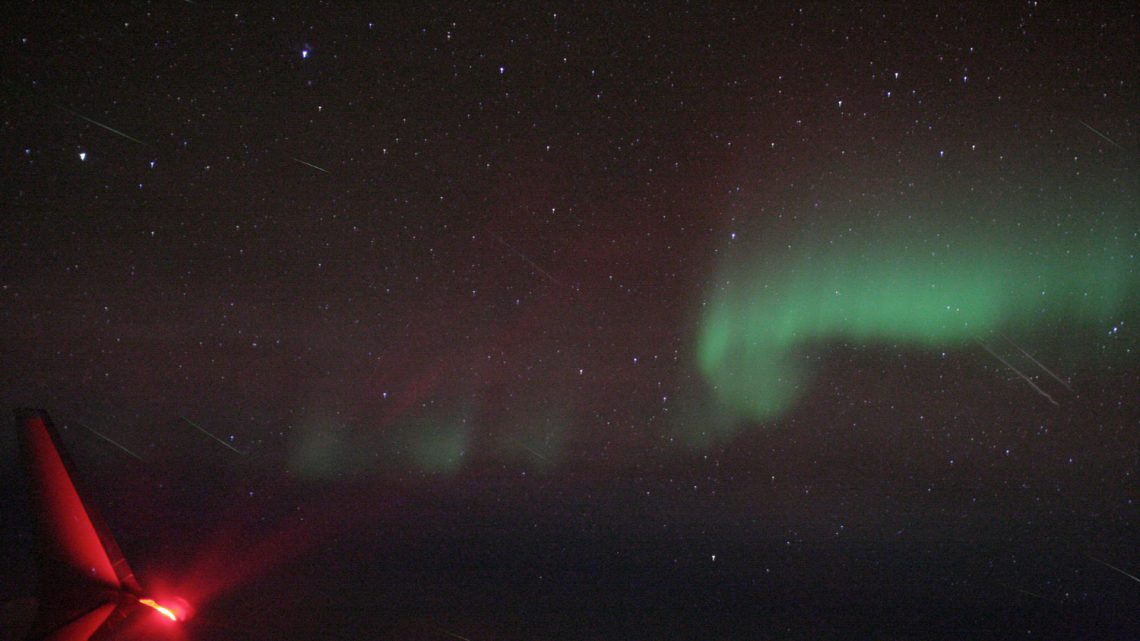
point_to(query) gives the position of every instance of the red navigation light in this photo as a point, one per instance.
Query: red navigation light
(165, 611)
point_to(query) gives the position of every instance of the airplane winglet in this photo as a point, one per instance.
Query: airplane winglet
(74, 536)
(86, 587)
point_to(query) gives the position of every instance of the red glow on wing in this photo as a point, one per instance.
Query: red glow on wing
(72, 535)
(165, 611)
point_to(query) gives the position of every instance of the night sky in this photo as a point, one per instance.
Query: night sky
(572, 323)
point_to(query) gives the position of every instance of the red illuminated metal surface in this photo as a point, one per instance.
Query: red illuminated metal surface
(76, 541)
(165, 611)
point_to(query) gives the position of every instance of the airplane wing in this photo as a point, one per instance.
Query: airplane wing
(87, 591)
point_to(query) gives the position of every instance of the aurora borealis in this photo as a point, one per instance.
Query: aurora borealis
(563, 322)
(933, 280)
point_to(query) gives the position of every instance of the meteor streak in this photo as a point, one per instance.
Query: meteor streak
(532, 450)
(109, 440)
(527, 259)
(1018, 372)
(1038, 363)
(1095, 131)
(309, 164)
(1028, 592)
(108, 128)
(207, 433)
(452, 634)
(1113, 567)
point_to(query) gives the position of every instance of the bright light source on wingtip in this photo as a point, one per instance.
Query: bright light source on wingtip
(165, 611)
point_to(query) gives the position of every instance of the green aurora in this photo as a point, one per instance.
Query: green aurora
(933, 282)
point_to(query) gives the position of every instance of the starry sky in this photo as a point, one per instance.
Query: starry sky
(489, 321)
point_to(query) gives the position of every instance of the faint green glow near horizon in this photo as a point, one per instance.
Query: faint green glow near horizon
(925, 285)
(439, 448)
(435, 443)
